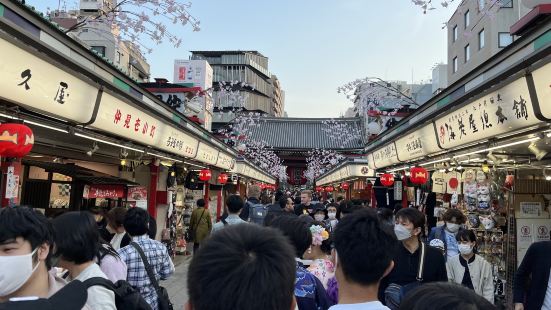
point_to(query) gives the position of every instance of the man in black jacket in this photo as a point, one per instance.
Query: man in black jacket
(305, 206)
(535, 267)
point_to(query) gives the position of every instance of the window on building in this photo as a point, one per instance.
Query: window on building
(467, 19)
(454, 33)
(481, 39)
(118, 57)
(481, 4)
(99, 49)
(454, 64)
(504, 39)
(505, 3)
(467, 52)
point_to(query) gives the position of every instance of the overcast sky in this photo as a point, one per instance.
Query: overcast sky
(313, 46)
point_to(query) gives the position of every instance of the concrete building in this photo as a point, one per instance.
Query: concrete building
(478, 30)
(251, 68)
(102, 37)
(439, 78)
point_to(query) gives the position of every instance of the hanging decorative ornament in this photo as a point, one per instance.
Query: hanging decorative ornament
(205, 175)
(222, 178)
(418, 175)
(345, 186)
(387, 179)
(329, 189)
(319, 189)
(16, 140)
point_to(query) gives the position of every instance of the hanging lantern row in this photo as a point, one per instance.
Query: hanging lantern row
(205, 175)
(222, 178)
(319, 189)
(345, 186)
(329, 189)
(418, 175)
(387, 179)
(16, 140)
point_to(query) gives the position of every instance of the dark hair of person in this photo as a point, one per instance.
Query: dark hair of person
(385, 214)
(412, 215)
(348, 207)
(265, 199)
(234, 203)
(282, 202)
(297, 230)
(466, 235)
(29, 224)
(444, 296)
(115, 217)
(451, 213)
(360, 238)
(249, 257)
(136, 222)
(336, 206)
(339, 199)
(76, 237)
(201, 203)
(104, 250)
(278, 195)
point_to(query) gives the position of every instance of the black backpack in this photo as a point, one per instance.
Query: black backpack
(126, 296)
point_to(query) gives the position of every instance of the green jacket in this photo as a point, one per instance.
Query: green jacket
(200, 224)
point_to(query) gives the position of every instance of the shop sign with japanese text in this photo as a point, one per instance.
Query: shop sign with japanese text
(418, 143)
(385, 156)
(118, 117)
(497, 113)
(225, 161)
(178, 142)
(543, 89)
(42, 86)
(103, 191)
(207, 154)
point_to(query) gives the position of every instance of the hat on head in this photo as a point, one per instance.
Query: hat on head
(437, 243)
(71, 296)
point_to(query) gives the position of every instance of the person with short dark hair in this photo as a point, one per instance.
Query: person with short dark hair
(283, 207)
(333, 216)
(386, 216)
(408, 229)
(453, 219)
(245, 267)
(532, 284)
(309, 291)
(77, 243)
(26, 249)
(234, 205)
(444, 296)
(115, 224)
(358, 239)
(320, 213)
(200, 224)
(136, 224)
(469, 269)
(348, 207)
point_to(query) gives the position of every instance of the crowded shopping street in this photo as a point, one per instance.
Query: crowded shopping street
(310, 155)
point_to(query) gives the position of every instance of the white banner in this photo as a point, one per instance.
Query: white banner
(419, 143)
(207, 154)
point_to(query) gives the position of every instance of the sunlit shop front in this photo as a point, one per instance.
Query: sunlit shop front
(480, 147)
(352, 180)
(96, 138)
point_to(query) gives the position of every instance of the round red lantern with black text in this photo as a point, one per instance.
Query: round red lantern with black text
(418, 175)
(222, 178)
(329, 189)
(387, 179)
(16, 140)
(205, 175)
(319, 189)
(345, 186)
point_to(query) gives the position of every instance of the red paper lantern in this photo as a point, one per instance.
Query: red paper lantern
(222, 178)
(329, 189)
(454, 183)
(205, 175)
(345, 186)
(319, 189)
(16, 140)
(418, 175)
(387, 179)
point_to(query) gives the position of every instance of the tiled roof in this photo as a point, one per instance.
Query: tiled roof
(306, 133)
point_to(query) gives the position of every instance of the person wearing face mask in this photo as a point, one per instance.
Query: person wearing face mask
(332, 217)
(469, 269)
(414, 262)
(453, 221)
(320, 213)
(26, 243)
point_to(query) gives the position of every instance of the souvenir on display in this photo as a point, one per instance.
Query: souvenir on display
(473, 220)
(487, 221)
(483, 206)
(480, 176)
(469, 175)
(455, 199)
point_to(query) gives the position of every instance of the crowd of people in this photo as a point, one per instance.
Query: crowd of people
(265, 253)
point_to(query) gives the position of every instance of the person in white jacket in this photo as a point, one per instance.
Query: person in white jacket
(469, 269)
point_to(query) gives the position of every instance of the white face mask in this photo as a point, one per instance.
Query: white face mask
(332, 215)
(452, 227)
(319, 217)
(402, 233)
(15, 272)
(465, 249)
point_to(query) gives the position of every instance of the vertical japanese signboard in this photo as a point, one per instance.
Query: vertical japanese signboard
(504, 110)
(41, 86)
